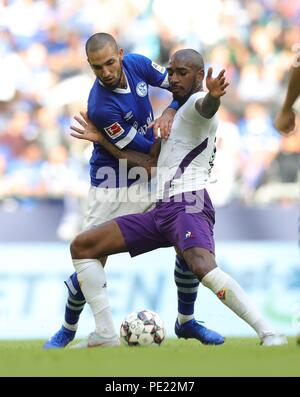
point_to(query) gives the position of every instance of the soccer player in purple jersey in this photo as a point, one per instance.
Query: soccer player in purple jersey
(119, 106)
(183, 216)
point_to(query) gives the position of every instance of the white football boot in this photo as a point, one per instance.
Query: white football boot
(96, 340)
(273, 339)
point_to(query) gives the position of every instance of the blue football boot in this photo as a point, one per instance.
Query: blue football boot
(194, 330)
(61, 339)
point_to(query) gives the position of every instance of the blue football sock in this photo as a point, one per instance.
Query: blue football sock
(187, 288)
(75, 303)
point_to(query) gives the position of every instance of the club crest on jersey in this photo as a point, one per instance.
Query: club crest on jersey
(114, 130)
(188, 235)
(142, 89)
(159, 68)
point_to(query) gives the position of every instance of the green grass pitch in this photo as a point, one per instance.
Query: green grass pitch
(184, 358)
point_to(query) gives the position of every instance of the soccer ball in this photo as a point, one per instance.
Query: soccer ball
(142, 328)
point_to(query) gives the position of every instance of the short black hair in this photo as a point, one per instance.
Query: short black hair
(99, 40)
(190, 56)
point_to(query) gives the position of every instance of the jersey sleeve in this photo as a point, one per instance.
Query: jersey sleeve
(189, 111)
(153, 73)
(119, 133)
(174, 105)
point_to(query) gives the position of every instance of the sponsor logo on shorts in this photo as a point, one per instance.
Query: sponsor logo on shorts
(222, 294)
(114, 130)
(142, 89)
(188, 235)
(159, 68)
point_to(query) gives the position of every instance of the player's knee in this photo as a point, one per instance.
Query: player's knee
(199, 263)
(77, 247)
(196, 265)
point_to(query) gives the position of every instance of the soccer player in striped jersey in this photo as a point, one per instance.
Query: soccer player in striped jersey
(183, 216)
(119, 106)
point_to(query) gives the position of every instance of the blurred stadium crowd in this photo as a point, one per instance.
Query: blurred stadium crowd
(45, 80)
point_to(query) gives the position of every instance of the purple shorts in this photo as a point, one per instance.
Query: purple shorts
(184, 221)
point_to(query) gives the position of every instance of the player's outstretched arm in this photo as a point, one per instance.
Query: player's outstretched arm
(88, 131)
(285, 119)
(208, 106)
